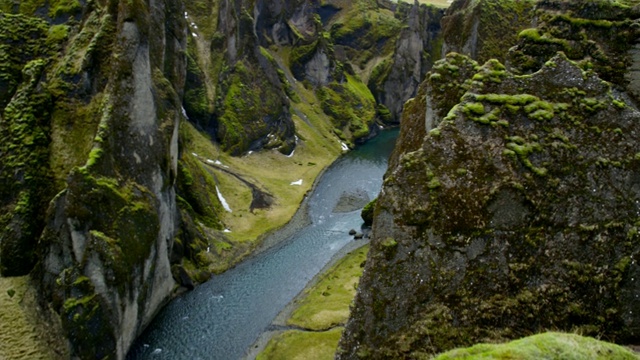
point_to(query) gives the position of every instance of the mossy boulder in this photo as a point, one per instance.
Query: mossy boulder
(517, 214)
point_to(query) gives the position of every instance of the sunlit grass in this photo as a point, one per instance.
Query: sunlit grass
(323, 306)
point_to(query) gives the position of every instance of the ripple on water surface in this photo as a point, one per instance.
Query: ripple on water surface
(223, 317)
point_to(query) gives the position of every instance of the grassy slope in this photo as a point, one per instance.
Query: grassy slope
(22, 336)
(550, 345)
(324, 306)
(270, 171)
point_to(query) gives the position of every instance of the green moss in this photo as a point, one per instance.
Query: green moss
(246, 106)
(551, 345)
(516, 100)
(434, 183)
(368, 211)
(366, 27)
(350, 106)
(63, 7)
(475, 108)
(295, 344)
(299, 56)
(25, 183)
(389, 243)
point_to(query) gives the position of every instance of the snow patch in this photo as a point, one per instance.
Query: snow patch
(344, 146)
(292, 151)
(227, 230)
(194, 34)
(194, 154)
(223, 201)
(299, 182)
(184, 112)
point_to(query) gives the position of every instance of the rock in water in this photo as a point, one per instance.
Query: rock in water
(351, 201)
(519, 213)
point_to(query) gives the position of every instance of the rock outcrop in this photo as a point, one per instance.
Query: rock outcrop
(104, 253)
(519, 209)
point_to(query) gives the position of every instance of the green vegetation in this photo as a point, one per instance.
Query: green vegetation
(550, 345)
(495, 25)
(24, 335)
(350, 105)
(303, 345)
(323, 308)
(438, 3)
(317, 146)
(326, 304)
(368, 212)
(364, 28)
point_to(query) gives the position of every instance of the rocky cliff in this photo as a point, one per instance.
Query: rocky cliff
(144, 142)
(518, 210)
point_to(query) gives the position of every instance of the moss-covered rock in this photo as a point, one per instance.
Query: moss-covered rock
(515, 215)
(368, 212)
(485, 29)
(350, 106)
(104, 254)
(417, 46)
(598, 34)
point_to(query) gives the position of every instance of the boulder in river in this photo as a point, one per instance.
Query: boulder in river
(351, 201)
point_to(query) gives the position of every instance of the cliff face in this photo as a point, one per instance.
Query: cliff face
(396, 79)
(103, 254)
(518, 212)
(116, 116)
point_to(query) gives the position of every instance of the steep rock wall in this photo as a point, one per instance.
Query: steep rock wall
(513, 217)
(396, 79)
(518, 212)
(105, 249)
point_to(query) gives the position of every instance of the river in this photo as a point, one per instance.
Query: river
(223, 317)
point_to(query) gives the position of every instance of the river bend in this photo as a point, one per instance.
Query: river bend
(223, 317)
